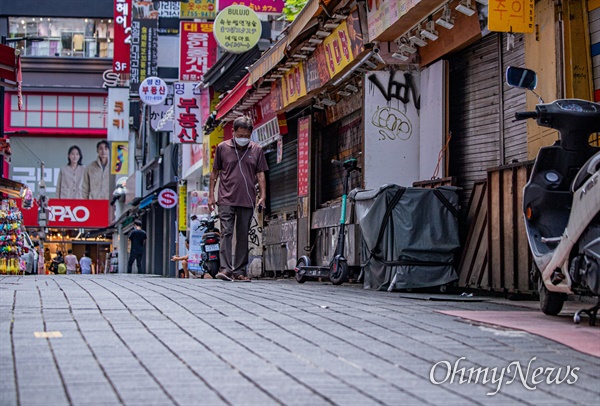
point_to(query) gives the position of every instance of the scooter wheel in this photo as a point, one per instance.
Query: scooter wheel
(212, 267)
(576, 319)
(301, 263)
(551, 303)
(339, 273)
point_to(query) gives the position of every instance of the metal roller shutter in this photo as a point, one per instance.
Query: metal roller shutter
(594, 21)
(283, 178)
(483, 136)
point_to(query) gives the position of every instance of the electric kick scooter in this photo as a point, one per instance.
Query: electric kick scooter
(337, 271)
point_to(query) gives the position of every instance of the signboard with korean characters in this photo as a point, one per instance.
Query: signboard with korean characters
(260, 6)
(187, 115)
(144, 51)
(153, 91)
(198, 50)
(204, 9)
(237, 29)
(118, 114)
(122, 36)
(511, 16)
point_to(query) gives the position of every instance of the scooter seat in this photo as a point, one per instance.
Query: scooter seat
(584, 173)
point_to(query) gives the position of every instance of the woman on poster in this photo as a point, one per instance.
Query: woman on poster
(70, 177)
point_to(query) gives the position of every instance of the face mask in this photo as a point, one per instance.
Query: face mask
(242, 142)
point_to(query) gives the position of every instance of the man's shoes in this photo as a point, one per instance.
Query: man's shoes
(242, 278)
(223, 276)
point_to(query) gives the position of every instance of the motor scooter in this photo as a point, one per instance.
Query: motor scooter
(210, 245)
(561, 200)
(337, 271)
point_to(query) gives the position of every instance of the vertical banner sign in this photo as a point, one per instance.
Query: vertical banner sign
(197, 50)
(119, 158)
(511, 16)
(187, 116)
(118, 114)
(303, 135)
(144, 44)
(182, 206)
(168, 17)
(122, 36)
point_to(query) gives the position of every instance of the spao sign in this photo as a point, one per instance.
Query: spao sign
(77, 214)
(71, 213)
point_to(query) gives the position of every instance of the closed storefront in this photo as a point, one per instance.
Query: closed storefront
(594, 22)
(482, 108)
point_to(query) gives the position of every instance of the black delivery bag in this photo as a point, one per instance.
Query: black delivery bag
(409, 236)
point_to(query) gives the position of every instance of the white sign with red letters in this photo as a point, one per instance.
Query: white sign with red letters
(153, 91)
(187, 115)
(167, 198)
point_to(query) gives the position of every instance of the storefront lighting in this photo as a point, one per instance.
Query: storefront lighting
(330, 25)
(408, 48)
(282, 69)
(339, 16)
(446, 20)
(417, 40)
(344, 93)
(271, 79)
(318, 107)
(429, 31)
(315, 41)
(351, 88)
(306, 48)
(300, 56)
(370, 64)
(276, 76)
(484, 2)
(322, 34)
(328, 102)
(465, 7)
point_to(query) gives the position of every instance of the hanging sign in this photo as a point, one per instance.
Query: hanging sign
(118, 114)
(167, 198)
(511, 16)
(205, 9)
(186, 114)
(183, 206)
(260, 6)
(237, 29)
(198, 50)
(119, 158)
(303, 137)
(122, 36)
(153, 91)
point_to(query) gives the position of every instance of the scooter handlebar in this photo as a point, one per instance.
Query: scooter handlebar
(524, 115)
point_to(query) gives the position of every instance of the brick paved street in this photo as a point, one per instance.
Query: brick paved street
(144, 340)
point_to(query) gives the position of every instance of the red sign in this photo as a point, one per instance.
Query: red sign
(70, 213)
(198, 50)
(303, 134)
(167, 198)
(122, 36)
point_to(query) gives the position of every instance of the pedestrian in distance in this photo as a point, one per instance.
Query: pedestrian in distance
(95, 178)
(71, 262)
(47, 259)
(85, 263)
(183, 272)
(70, 177)
(138, 243)
(56, 261)
(239, 163)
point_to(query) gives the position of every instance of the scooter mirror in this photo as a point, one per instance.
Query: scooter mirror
(521, 77)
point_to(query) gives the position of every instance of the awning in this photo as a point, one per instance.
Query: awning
(10, 187)
(276, 53)
(232, 99)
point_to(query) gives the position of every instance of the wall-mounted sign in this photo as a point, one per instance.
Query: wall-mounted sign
(70, 213)
(153, 91)
(119, 158)
(260, 6)
(198, 50)
(303, 137)
(167, 198)
(122, 36)
(511, 16)
(237, 29)
(182, 218)
(118, 114)
(186, 114)
(144, 51)
(205, 9)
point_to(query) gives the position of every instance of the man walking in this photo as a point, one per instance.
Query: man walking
(71, 263)
(238, 164)
(85, 263)
(138, 241)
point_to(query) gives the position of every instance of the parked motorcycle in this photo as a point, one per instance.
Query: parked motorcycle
(561, 200)
(210, 245)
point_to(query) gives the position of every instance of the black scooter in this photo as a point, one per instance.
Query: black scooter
(210, 245)
(561, 201)
(337, 271)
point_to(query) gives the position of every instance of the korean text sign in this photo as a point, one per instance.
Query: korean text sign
(122, 36)
(511, 16)
(198, 50)
(187, 114)
(260, 6)
(237, 29)
(118, 114)
(303, 136)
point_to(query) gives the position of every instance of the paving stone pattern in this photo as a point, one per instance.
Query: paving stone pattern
(144, 340)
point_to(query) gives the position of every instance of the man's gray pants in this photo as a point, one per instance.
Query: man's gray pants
(234, 219)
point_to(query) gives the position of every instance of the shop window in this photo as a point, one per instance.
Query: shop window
(58, 112)
(61, 37)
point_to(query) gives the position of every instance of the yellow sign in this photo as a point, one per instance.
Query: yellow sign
(119, 158)
(338, 50)
(237, 29)
(205, 9)
(182, 207)
(511, 16)
(209, 143)
(293, 85)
